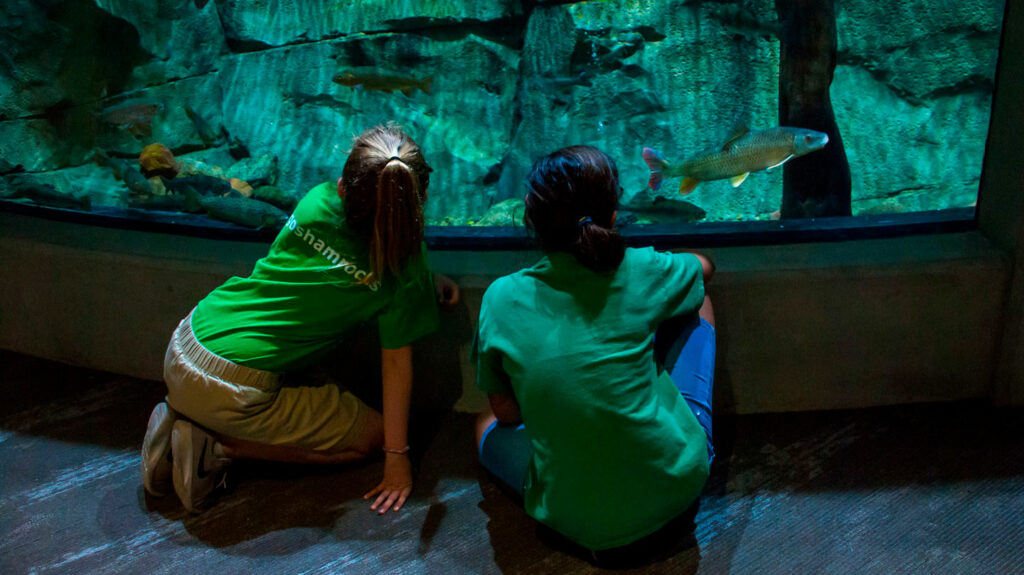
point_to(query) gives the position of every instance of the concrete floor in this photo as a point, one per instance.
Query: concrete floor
(933, 488)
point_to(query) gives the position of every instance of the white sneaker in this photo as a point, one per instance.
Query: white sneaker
(198, 470)
(156, 451)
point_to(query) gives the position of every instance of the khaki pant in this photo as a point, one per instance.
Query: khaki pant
(254, 405)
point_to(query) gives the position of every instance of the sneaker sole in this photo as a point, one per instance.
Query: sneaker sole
(181, 440)
(156, 451)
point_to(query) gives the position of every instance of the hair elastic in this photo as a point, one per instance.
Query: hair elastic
(584, 220)
(394, 158)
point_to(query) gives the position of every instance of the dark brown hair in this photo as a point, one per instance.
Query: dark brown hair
(385, 181)
(573, 194)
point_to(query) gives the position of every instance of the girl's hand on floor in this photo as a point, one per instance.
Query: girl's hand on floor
(396, 485)
(446, 289)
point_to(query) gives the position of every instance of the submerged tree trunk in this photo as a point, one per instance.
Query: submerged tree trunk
(818, 184)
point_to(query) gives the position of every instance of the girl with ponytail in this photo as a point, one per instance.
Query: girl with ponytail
(607, 354)
(351, 255)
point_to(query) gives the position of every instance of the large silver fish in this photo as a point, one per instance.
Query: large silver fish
(743, 152)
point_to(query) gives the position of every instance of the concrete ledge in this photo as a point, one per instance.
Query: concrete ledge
(858, 324)
(801, 326)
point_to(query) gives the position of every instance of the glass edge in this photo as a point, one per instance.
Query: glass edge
(475, 238)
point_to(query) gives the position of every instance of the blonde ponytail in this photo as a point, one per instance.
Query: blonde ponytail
(399, 218)
(385, 181)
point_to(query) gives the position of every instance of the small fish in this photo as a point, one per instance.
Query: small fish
(324, 100)
(134, 116)
(627, 44)
(206, 132)
(238, 210)
(165, 203)
(505, 213)
(191, 199)
(371, 79)
(276, 196)
(547, 83)
(652, 205)
(743, 152)
(136, 182)
(123, 171)
(199, 183)
(47, 195)
(244, 211)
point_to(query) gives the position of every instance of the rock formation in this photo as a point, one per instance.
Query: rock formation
(509, 80)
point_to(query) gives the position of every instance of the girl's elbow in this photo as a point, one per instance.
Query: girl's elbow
(508, 414)
(505, 408)
(707, 265)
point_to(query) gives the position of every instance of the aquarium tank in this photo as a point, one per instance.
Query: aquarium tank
(720, 114)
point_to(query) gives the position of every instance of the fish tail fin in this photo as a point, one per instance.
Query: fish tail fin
(687, 186)
(425, 84)
(656, 162)
(655, 182)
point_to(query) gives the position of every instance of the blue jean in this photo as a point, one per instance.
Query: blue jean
(683, 346)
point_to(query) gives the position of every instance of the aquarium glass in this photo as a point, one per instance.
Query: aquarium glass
(235, 108)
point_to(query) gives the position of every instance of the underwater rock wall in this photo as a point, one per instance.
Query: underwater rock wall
(486, 87)
(912, 95)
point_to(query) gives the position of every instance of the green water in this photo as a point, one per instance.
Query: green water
(278, 89)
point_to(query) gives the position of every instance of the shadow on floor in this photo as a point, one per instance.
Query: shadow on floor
(935, 488)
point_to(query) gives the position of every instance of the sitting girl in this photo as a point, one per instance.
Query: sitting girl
(598, 362)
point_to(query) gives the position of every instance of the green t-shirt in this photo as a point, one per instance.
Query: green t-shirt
(617, 452)
(306, 295)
